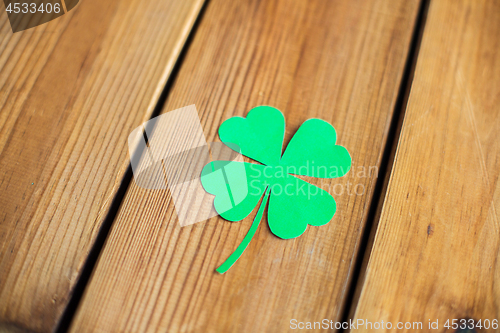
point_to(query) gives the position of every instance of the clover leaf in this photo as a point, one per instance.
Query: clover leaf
(293, 203)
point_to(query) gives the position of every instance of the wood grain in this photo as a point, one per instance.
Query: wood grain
(71, 92)
(436, 250)
(339, 61)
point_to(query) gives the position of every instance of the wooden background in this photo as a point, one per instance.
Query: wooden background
(412, 88)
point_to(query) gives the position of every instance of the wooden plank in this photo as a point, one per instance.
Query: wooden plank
(339, 61)
(72, 90)
(436, 248)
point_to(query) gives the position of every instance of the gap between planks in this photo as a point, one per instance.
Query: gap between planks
(91, 261)
(380, 191)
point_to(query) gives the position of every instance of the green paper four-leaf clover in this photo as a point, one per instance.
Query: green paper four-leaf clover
(293, 203)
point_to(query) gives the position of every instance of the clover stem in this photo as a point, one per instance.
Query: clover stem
(244, 243)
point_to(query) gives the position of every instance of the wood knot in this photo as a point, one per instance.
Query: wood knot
(430, 229)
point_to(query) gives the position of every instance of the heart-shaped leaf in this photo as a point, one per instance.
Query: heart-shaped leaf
(259, 135)
(313, 152)
(294, 203)
(237, 187)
